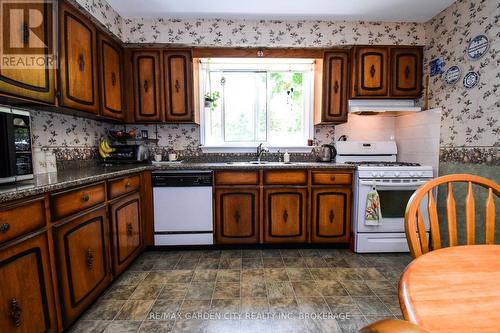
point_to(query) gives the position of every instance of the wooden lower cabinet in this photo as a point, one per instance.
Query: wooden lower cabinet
(126, 231)
(82, 254)
(237, 215)
(285, 215)
(331, 215)
(26, 294)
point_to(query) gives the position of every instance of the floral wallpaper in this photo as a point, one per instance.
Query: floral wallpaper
(103, 13)
(470, 126)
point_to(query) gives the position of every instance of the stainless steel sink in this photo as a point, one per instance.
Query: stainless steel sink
(258, 162)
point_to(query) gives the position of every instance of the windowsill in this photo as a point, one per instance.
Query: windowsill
(252, 149)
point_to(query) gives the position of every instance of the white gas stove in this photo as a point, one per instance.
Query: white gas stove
(377, 169)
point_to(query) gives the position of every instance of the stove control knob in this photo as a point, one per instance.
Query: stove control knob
(382, 174)
(412, 174)
(420, 173)
(374, 174)
(397, 174)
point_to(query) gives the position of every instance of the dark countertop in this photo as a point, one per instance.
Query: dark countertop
(88, 174)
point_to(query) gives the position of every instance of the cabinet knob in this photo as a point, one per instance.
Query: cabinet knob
(146, 86)
(407, 72)
(177, 86)
(285, 215)
(85, 198)
(15, 312)
(129, 229)
(113, 78)
(90, 259)
(331, 216)
(336, 87)
(4, 227)
(332, 178)
(237, 216)
(128, 184)
(81, 62)
(372, 71)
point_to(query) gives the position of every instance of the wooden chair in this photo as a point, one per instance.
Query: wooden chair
(414, 220)
(392, 326)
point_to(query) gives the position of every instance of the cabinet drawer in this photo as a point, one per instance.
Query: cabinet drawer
(123, 185)
(281, 177)
(237, 178)
(64, 204)
(331, 178)
(19, 219)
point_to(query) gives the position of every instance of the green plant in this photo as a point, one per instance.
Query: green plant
(212, 99)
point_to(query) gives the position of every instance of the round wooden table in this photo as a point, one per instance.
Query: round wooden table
(455, 289)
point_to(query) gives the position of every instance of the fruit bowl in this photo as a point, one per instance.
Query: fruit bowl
(121, 135)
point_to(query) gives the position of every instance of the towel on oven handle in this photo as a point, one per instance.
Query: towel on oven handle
(373, 215)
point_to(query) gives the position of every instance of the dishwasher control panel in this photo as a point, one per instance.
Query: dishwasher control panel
(182, 179)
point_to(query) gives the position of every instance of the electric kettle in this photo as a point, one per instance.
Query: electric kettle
(328, 153)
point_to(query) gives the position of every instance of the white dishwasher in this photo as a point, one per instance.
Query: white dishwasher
(183, 207)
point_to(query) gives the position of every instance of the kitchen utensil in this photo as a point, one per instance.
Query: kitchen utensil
(328, 153)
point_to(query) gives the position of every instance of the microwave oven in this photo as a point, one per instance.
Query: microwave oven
(16, 158)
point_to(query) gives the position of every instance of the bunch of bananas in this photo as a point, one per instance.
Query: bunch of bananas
(105, 149)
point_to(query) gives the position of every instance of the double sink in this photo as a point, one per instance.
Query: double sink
(258, 163)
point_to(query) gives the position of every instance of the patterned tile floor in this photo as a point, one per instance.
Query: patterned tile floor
(270, 290)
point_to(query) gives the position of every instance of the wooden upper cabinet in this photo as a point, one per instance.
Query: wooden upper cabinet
(36, 84)
(370, 72)
(178, 83)
(147, 86)
(335, 87)
(82, 254)
(237, 215)
(26, 295)
(110, 77)
(331, 215)
(126, 231)
(78, 61)
(406, 72)
(285, 215)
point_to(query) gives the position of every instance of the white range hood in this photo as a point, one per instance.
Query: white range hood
(382, 106)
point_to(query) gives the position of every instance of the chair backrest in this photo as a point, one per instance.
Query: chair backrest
(414, 220)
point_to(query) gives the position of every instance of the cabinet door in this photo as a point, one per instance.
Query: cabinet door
(126, 231)
(237, 215)
(110, 78)
(147, 86)
(82, 261)
(331, 215)
(371, 76)
(26, 295)
(78, 61)
(285, 215)
(37, 84)
(178, 86)
(335, 85)
(406, 72)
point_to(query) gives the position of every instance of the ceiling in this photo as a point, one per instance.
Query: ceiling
(335, 10)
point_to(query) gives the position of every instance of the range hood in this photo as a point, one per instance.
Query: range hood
(383, 106)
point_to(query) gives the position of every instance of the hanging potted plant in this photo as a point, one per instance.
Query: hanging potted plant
(211, 99)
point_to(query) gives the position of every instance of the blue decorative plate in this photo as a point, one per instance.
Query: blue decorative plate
(471, 79)
(452, 75)
(478, 46)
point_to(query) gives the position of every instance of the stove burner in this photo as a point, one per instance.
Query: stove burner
(383, 164)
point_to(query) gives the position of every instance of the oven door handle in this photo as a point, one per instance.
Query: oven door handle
(382, 184)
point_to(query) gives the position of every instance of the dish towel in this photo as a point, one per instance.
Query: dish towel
(373, 216)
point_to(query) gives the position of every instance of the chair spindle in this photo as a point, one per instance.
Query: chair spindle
(451, 214)
(470, 216)
(434, 222)
(490, 218)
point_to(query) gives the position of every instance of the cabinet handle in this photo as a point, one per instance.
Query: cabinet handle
(407, 72)
(372, 71)
(128, 184)
(146, 86)
(237, 216)
(26, 34)
(4, 227)
(81, 62)
(177, 86)
(85, 198)
(285, 216)
(15, 312)
(336, 87)
(113, 78)
(331, 216)
(129, 229)
(332, 178)
(90, 259)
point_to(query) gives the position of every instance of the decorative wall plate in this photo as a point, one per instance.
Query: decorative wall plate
(471, 79)
(478, 46)
(452, 75)
(436, 66)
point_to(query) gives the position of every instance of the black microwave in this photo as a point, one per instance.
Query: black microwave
(16, 158)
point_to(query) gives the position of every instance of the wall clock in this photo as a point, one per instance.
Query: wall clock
(478, 46)
(452, 75)
(471, 79)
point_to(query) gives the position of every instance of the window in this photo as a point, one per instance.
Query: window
(252, 101)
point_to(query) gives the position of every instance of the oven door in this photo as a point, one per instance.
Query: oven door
(394, 196)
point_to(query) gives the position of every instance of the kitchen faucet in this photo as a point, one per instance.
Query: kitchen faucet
(261, 150)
